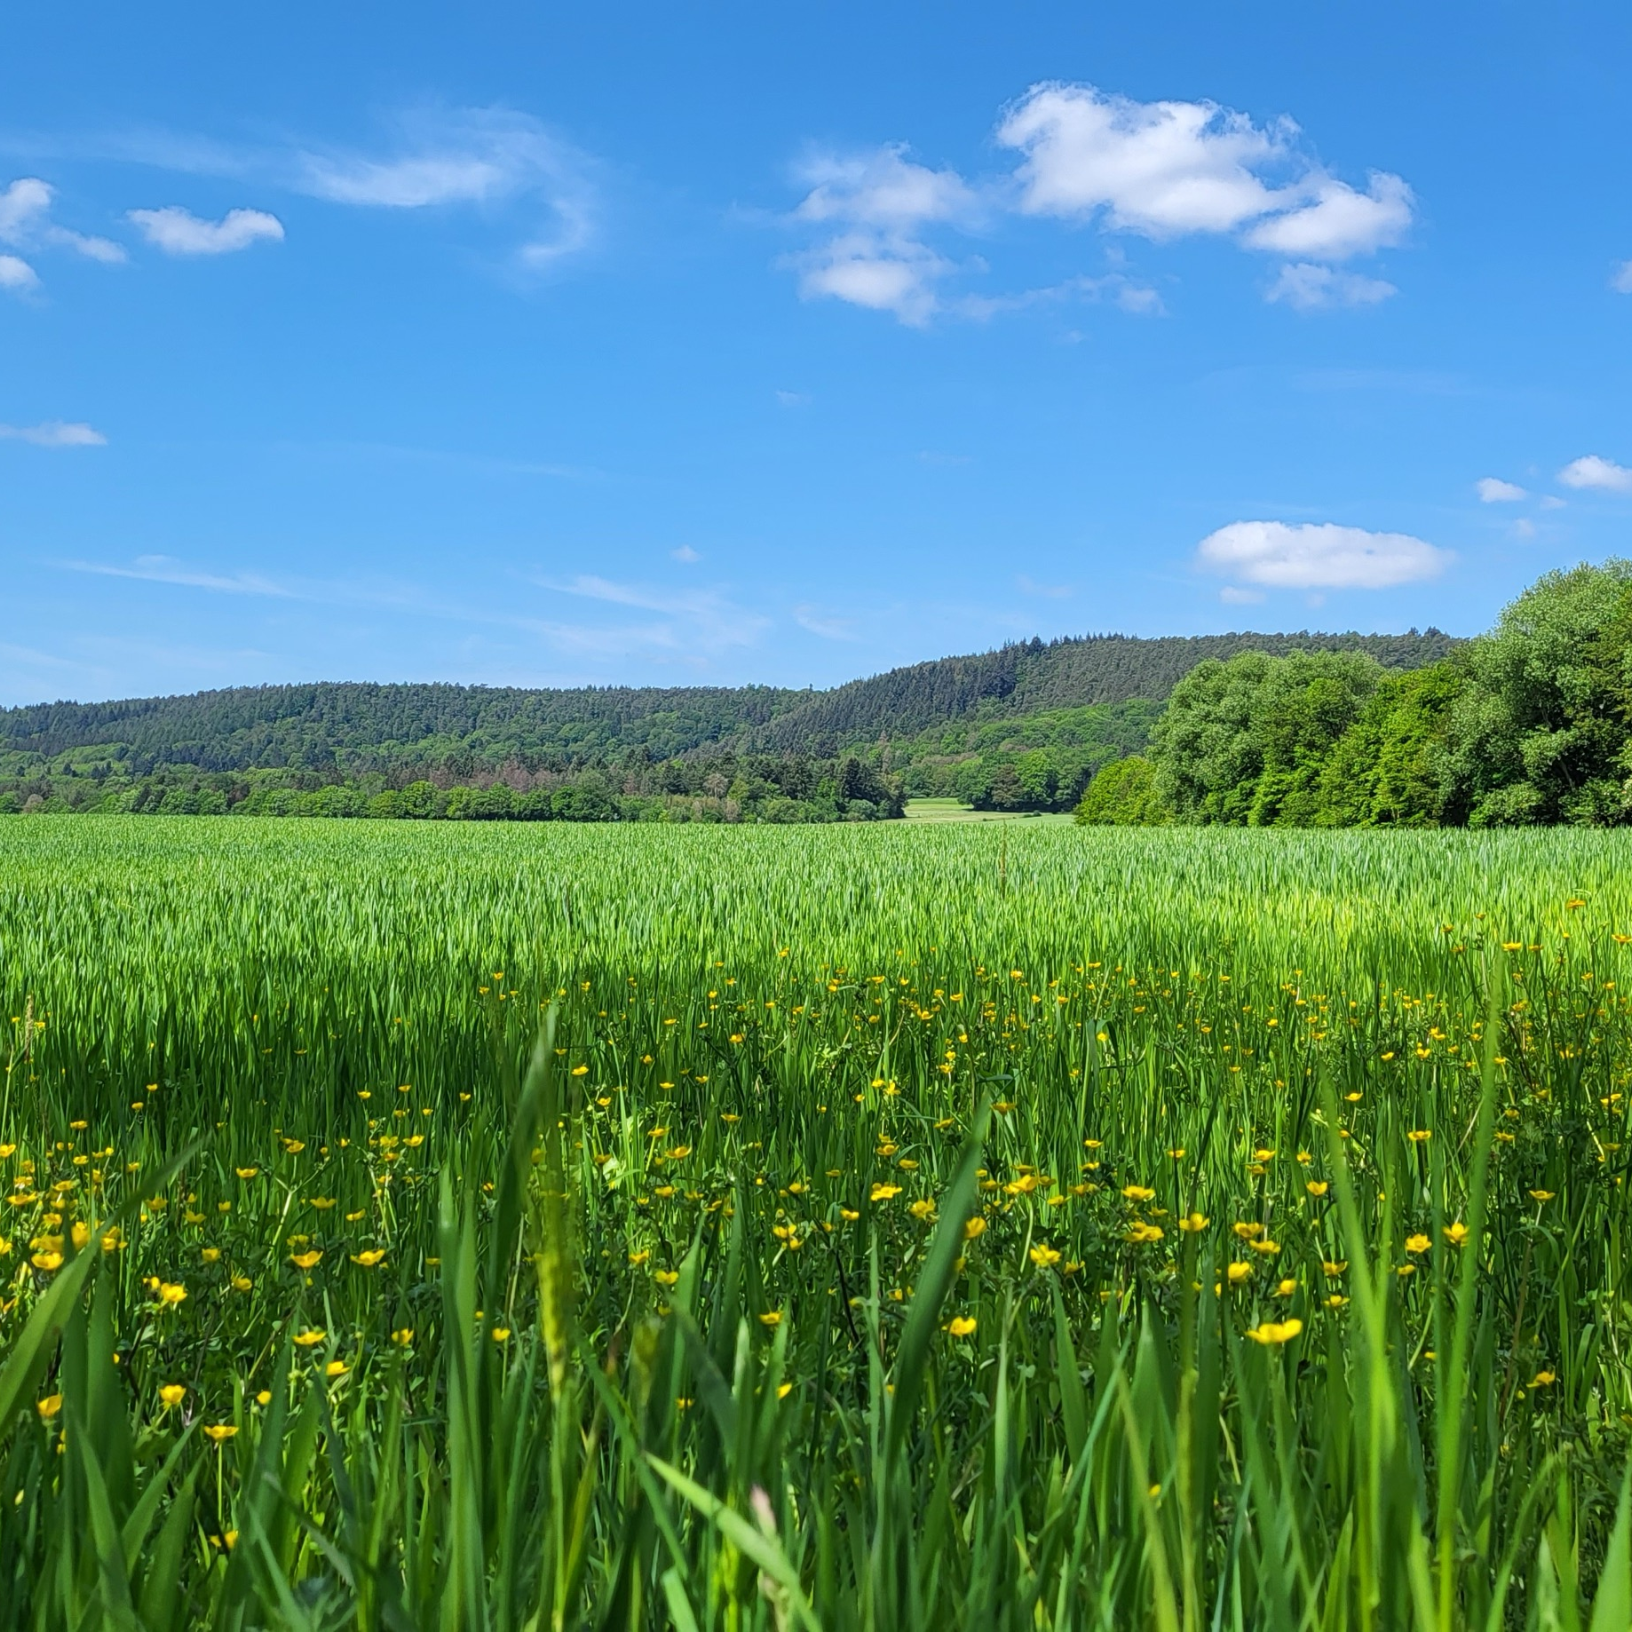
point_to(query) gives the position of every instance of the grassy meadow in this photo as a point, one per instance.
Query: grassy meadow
(902, 1226)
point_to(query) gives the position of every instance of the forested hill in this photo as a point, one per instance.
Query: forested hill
(384, 726)
(1034, 676)
(365, 727)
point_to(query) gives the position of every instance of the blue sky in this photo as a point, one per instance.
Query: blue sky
(665, 344)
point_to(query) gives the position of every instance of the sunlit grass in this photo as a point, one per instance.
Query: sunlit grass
(964, 1226)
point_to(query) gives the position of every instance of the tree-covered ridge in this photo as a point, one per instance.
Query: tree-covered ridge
(1035, 675)
(365, 727)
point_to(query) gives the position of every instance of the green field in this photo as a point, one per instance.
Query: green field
(903, 1226)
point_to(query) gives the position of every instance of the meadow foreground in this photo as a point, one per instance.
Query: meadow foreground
(868, 1227)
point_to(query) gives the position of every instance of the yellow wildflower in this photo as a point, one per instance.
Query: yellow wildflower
(1276, 1332)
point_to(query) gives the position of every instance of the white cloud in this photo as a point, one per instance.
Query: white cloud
(179, 232)
(25, 223)
(685, 553)
(1493, 490)
(879, 201)
(1524, 529)
(477, 156)
(1591, 471)
(23, 205)
(1621, 281)
(881, 273)
(1340, 222)
(16, 273)
(1309, 287)
(1158, 168)
(793, 399)
(1278, 555)
(1234, 595)
(1166, 169)
(55, 433)
(883, 189)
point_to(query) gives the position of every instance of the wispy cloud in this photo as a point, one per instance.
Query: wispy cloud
(506, 165)
(1493, 490)
(1116, 287)
(179, 232)
(1312, 288)
(829, 628)
(55, 433)
(26, 224)
(166, 569)
(480, 157)
(1052, 592)
(691, 624)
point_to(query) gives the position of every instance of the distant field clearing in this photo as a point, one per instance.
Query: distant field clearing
(952, 810)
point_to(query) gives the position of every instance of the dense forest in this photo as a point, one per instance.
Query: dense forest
(1530, 724)
(1025, 727)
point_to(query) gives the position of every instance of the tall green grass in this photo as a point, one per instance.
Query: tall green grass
(860, 1229)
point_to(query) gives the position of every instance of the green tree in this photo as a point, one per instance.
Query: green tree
(1123, 795)
(1388, 768)
(1243, 742)
(1541, 733)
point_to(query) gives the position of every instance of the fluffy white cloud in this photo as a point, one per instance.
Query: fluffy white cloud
(1621, 282)
(1160, 168)
(179, 232)
(16, 273)
(1309, 287)
(56, 433)
(25, 223)
(1279, 555)
(885, 274)
(1493, 490)
(1340, 222)
(884, 189)
(1591, 471)
(484, 156)
(879, 202)
(1169, 168)
(23, 205)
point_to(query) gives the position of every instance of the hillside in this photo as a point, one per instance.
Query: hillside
(362, 728)
(1034, 675)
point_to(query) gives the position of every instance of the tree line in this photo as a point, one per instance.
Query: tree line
(721, 788)
(1529, 724)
